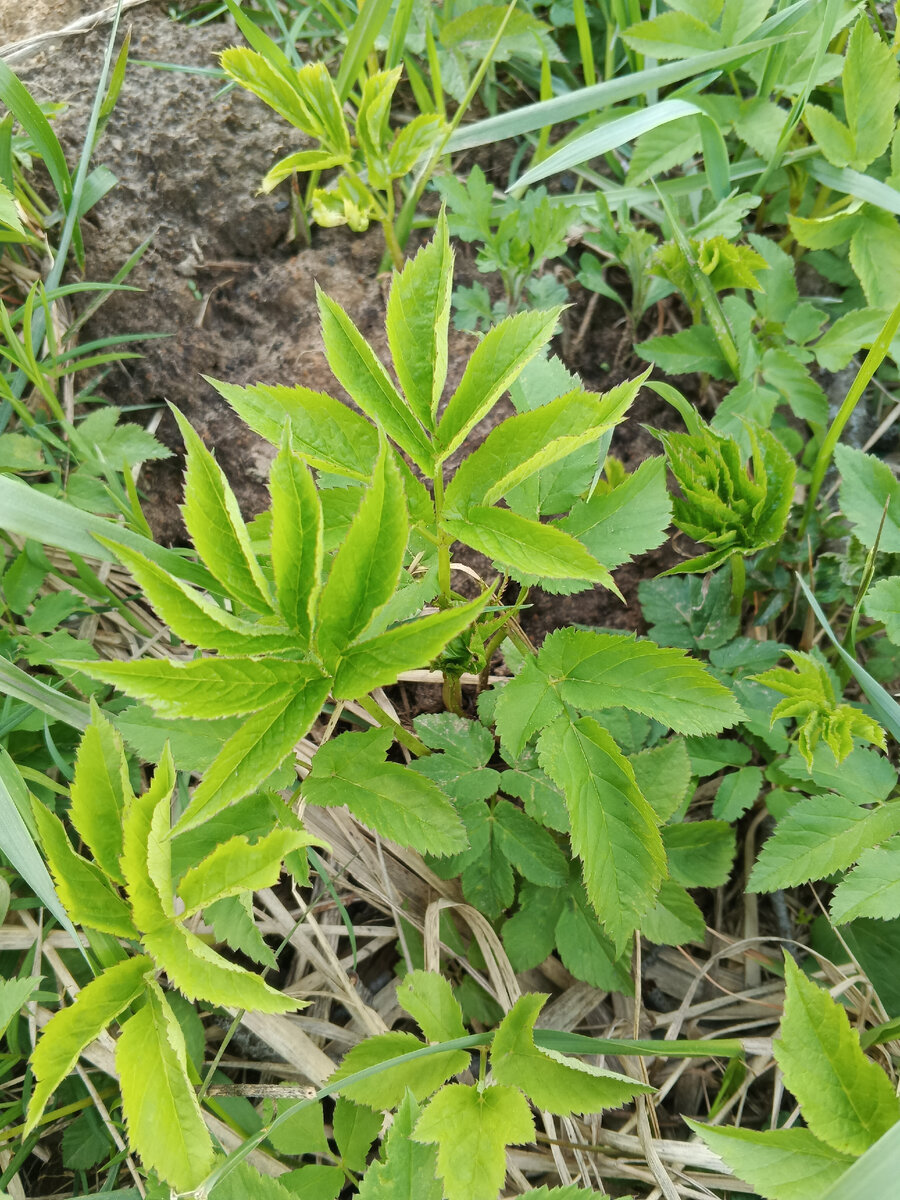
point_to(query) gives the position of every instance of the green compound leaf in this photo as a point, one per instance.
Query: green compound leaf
(466, 747)
(627, 520)
(429, 1000)
(387, 1088)
(100, 791)
(528, 703)
(323, 431)
(367, 566)
(296, 539)
(378, 661)
(202, 974)
(847, 1100)
(530, 849)
(193, 617)
(525, 444)
(614, 829)
(496, 363)
(811, 700)
(235, 866)
(779, 1164)
(397, 802)
(820, 835)
(872, 889)
(736, 509)
(72, 1029)
(552, 1081)
(674, 919)
(866, 483)
(358, 370)
(164, 1121)
(472, 1128)
(355, 1129)
(595, 671)
(251, 754)
(147, 860)
(418, 318)
(527, 546)
(232, 922)
(700, 853)
(871, 85)
(207, 687)
(83, 888)
(663, 775)
(216, 527)
(408, 1169)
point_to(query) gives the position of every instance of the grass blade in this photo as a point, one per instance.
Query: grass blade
(17, 843)
(366, 29)
(601, 95)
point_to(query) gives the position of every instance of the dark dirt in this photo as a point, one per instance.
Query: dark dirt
(237, 302)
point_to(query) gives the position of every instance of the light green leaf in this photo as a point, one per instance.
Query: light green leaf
(527, 546)
(408, 1169)
(147, 861)
(847, 1100)
(820, 835)
(524, 444)
(207, 687)
(216, 527)
(418, 317)
(693, 349)
(466, 747)
(397, 802)
(584, 948)
(672, 35)
(737, 792)
(202, 974)
(871, 85)
(594, 671)
(700, 852)
(528, 703)
(301, 1133)
(251, 754)
(866, 483)
(367, 566)
(232, 922)
(830, 134)
(872, 889)
(663, 775)
(674, 919)
(194, 617)
(376, 662)
(83, 888)
(14, 995)
(164, 1121)
(780, 1164)
(875, 256)
(472, 1128)
(497, 361)
(627, 520)
(235, 866)
(9, 213)
(325, 432)
(883, 604)
(387, 1088)
(100, 790)
(355, 1129)
(428, 998)
(358, 370)
(72, 1029)
(614, 829)
(296, 539)
(530, 849)
(553, 1082)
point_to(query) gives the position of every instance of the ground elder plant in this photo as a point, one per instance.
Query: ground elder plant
(344, 584)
